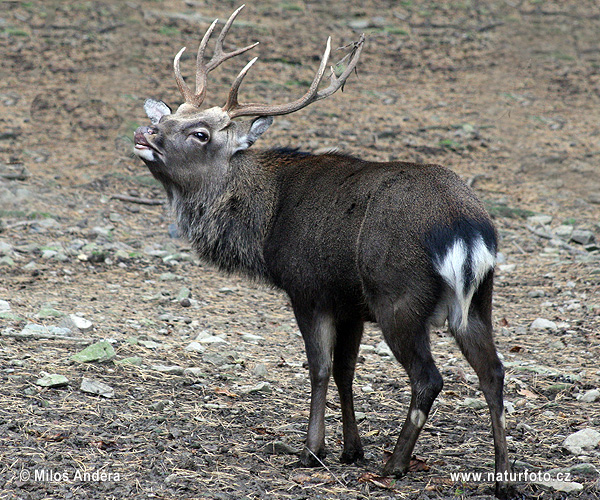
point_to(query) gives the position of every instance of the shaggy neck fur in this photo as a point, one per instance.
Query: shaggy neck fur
(227, 224)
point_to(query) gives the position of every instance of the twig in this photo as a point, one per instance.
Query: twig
(135, 199)
(327, 468)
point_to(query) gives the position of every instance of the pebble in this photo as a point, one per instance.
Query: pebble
(47, 311)
(543, 324)
(4, 306)
(367, 389)
(590, 396)
(541, 220)
(94, 387)
(195, 347)
(169, 369)
(74, 322)
(6, 261)
(474, 403)
(194, 372)
(32, 329)
(583, 236)
(5, 248)
(260, 370)
(213, 339)
(509, 407)
(249, 337)
(564, 232)
(52, 380)
(534, 294)
(565, 486)
(149, 344)
(131, 360)
(382, 349)
(580, 441)
(98, 352)
(261, 387)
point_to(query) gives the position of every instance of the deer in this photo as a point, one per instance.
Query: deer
(407, 246)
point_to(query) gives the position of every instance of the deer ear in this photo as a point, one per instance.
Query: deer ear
(156, 110)
(257, 128)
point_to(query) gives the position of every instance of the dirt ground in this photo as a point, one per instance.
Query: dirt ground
(506, 93)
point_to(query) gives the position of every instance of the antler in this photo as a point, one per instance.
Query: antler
(235, 109)
(202, 69)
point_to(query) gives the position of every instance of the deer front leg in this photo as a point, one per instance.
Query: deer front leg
(318, 331)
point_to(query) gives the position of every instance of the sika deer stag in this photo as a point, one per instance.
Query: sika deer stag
(405, 245)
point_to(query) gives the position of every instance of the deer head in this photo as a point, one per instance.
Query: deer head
(194, 146)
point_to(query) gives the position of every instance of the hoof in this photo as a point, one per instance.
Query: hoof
(308, 459)
(391, 469)
(351, 456)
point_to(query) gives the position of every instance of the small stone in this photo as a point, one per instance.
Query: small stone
(48, 311)
(194, 372)
(359, 24)
(261, 387)
(590, 396)
(474, 404)
(541, 220)
(367, 389)
(184, 293)
(564, 232)
(131, 360)
(507, 268)
(49, 254)
(534, 294)
(218, 359)
(509, 408)
(249, 337)
(279, 448)
(383, 349)
(6, 261)
(185, 302)
(157, 406)
(213, 339)
(4, 306)
(360, 416)
(565, 486)
(580, 441)
(543, 324)
(149, 344)
(5, 248)
(33, 330)
(260, 370)
(195, 347)
(169, 369)
(583, 237)
(52, 380)
(75, 323)
(98, 352)
(95, 387)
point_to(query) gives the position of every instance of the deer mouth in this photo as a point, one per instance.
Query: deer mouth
(143, 148)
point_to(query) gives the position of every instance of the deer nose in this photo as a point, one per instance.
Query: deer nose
(139, 137)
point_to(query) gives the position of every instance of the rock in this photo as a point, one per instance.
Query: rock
(4, 306)
(33, 330)
(73, 322)
(218, 359)
(195, 347)
(185, 302)
(367, 389)
(249, 337)
(149, 344)
(170, 277)
(184, 293)
(98, 352)
(169, 369)
(564, 232)
(52, 380)
(359, 24)
(383, 349)
(534, 294)
(95, 387)
(131, 360)
(213, 339)
(566, 486)
(474, 404)
(194, 372)
(5, 248)
(509, 407)
(261, 387)
(6, 261)
(580, 441)
(279, 448)
(507, 268)
(543, 324)
(541, 220)
(583, 236)
(260, 370)
(585, 470)
(590, 396)
(47, 311)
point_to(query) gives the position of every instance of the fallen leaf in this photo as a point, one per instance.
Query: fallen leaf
(225, 392)
(418, 465)
(382, 482)
(527, 393)
(516, 348)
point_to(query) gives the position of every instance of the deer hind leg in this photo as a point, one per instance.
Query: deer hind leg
(318, 332)
(408, 338)
(345, 353)
(477, 344)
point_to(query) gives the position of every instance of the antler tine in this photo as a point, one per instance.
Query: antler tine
(202, 69)
(234, 109)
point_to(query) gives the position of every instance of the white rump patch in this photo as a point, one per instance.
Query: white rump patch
(452, 268)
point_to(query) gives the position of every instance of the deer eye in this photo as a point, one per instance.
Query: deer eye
(201, 135)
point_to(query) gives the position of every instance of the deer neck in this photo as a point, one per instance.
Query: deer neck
(227, 223)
